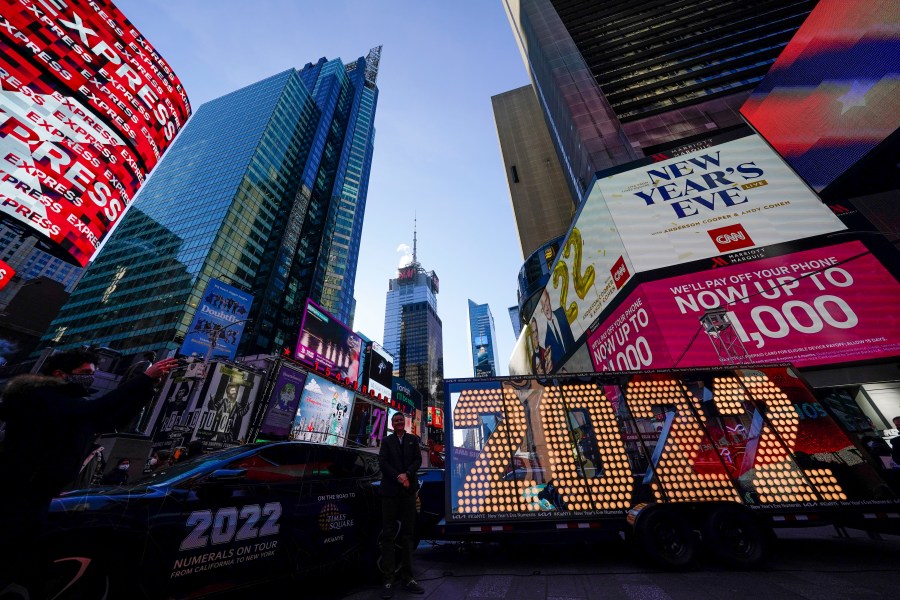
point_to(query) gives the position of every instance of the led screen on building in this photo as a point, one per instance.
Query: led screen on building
(736, 195)
(379, 369)
(816, 307)
(324, 413)
(6, 274)
(329, 343)
(590, 445)
(87, 107)
(284, 401)
(221, 315)
(831, 97)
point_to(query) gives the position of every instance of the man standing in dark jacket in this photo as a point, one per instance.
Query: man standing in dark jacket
(50, 426)
(400, 459)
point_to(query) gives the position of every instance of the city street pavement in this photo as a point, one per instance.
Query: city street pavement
(814, 563)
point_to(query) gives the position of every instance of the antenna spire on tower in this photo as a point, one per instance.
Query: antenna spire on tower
(415, 262)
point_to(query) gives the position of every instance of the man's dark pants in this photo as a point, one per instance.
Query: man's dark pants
(400, 508)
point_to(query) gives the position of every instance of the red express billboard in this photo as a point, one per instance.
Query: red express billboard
(831, 97)
(816, 307)
(87, 107)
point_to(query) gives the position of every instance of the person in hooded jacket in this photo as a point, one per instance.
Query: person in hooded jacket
(50, 425)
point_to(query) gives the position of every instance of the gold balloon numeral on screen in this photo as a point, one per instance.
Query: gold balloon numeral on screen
(675, 467)
(561, 272)
(583, 281)
(609, 485)
(485, 488)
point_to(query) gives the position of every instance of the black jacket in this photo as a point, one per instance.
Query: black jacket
(50, 427)
(395, 460)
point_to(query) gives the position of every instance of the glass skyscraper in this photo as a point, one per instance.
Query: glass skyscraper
(483, 339)
(265, 190)
(421, 356)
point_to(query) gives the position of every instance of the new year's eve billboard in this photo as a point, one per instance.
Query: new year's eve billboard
(816, 307)
(736, 195)
(836, 85)
(222, 314)
(329, 343)
(87, 107)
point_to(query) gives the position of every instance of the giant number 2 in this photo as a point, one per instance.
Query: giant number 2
(485, 489)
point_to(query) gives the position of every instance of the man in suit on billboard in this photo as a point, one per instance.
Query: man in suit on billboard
(558, 338)
(400, 459)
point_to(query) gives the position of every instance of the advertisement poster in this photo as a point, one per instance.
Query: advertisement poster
(325, 411)
(222, 313)
(284, 401)
(525, 448)
(88, 107)
(809, 308)
(328, 342)
(732, 196)
(170, 424)
(380, 367)
(223, 418)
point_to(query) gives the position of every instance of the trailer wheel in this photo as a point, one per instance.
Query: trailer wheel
(666, 537)
(734, 537)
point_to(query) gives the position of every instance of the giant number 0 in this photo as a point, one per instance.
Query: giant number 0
(614, 488)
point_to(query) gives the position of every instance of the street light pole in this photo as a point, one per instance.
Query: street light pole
(214, 339)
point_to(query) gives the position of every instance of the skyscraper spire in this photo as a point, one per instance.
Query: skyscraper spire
(415, 262)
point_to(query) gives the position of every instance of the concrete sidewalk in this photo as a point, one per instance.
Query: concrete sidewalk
(809, 564)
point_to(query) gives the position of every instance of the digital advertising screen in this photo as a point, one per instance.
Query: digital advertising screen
(222, 314)
(324, 413)
(588, 272)
(87, 107)
(836, 83)
(591, 445)
(328, 342)
(6, 274)
(809, 308)
(284, 401)
(380, 368)
(406, 395)
(735, 195)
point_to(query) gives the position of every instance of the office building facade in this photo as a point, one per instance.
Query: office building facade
(542, 204)
(483, 338)
(618, 81)
(413, 284)
(273, 207)
(421, 354)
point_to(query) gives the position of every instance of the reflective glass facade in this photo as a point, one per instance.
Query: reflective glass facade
(264, 189)
(421, 354)
(415, 286)
(483, 339)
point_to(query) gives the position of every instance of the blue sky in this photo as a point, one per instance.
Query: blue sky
(436, 150)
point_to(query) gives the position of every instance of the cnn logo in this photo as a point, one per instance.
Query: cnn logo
(730, 238)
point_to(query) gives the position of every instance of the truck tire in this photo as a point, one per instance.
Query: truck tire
(665, 537)
(734, 537)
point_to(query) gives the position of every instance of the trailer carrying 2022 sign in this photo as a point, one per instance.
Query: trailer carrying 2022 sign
(728, 452)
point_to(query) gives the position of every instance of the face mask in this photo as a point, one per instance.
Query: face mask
(123, 467)
(85, 380)
(153, 462)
